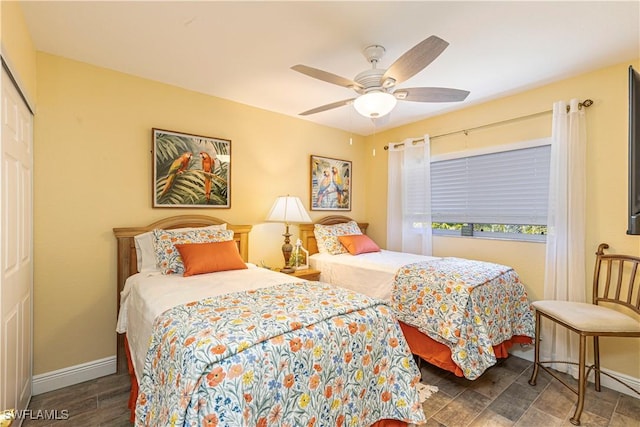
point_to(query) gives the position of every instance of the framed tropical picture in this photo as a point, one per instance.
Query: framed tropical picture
(330, 184)
(190, 171)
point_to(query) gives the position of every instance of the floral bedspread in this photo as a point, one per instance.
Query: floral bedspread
(470, 306)
(299, 354)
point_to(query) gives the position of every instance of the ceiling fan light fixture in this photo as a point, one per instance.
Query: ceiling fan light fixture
(376, 87)
(374, 104)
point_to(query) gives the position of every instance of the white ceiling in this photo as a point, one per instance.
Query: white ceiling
(242, 51)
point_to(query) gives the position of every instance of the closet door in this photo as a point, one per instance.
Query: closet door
(16, 247)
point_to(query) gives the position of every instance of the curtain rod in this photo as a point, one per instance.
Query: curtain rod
(586, 103)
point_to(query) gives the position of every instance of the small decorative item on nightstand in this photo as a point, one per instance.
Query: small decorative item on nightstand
(299, 257)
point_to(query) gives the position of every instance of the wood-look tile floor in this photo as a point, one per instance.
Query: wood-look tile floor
(500, 397)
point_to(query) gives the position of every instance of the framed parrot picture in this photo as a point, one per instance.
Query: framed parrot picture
(190, 171)
(330, 184)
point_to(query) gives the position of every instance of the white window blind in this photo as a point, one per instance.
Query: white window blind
(508, 187)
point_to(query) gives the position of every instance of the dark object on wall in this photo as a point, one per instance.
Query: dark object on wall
(634, 152)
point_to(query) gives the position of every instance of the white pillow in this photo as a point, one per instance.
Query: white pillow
(146, 253)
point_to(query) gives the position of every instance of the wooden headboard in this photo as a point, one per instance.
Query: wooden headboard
(309, 239)
(127, 259)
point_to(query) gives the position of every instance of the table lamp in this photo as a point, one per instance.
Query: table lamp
(288, 209)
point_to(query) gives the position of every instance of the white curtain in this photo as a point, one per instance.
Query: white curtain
(565, 254)
(409, 198)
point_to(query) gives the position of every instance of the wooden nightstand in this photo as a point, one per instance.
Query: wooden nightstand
(307, 274)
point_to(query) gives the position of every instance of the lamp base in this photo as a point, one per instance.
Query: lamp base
(286, 251)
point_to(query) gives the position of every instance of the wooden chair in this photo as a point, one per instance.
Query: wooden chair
(616, 283)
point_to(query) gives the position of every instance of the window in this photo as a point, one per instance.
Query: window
(502, 193)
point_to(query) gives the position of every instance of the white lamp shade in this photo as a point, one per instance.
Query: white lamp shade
(375, 104)
(288, 209)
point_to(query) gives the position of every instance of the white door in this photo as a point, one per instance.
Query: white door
(16, 247)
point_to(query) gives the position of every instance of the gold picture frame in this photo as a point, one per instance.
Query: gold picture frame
(190, 171)
(330, 184)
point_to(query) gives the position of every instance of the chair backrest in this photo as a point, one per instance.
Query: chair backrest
(616, 279)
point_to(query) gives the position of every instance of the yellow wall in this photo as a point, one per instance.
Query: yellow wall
(17, 48)
(93, 172)
(607, 122)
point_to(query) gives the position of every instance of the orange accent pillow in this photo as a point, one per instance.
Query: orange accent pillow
(200, 258)
(358, 244)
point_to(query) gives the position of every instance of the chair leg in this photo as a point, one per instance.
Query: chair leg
(575, 420)
(596, 361)
(536, 352)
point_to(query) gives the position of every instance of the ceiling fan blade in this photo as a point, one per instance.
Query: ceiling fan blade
(326, 76)
(415, 59)
(327, 107)
(431, 94)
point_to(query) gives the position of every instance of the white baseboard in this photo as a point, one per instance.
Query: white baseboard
(54, 380)
(526, 352)
(60, 378)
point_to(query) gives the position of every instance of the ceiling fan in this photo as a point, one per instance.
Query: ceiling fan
(377, 87)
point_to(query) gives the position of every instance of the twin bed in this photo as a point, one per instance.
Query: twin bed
(460, 315)
(249, 346)
(243, 345)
